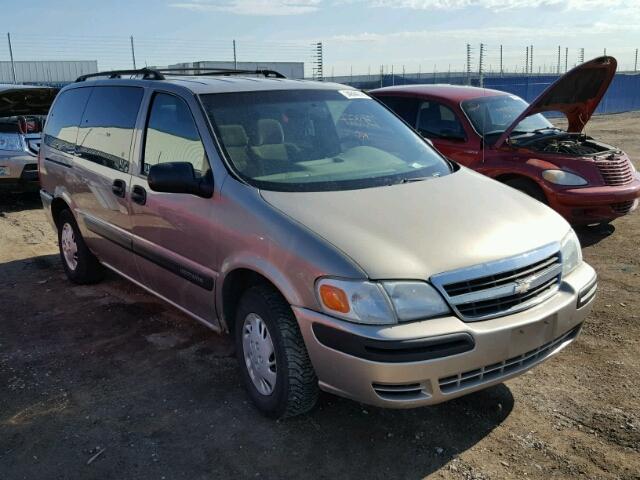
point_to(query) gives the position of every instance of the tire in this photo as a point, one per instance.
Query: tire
(84, 267)
(529, 187)
(296, 386)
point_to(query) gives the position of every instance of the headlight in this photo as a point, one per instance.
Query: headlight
(379, 303)
(560, 177)
(570, 252)
(414, 300)
(11, 141)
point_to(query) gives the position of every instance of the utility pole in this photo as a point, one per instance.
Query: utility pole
(468, 64)
(635, 65)
(393, 76)
(133, 52)
(531, 59)
(13, 67)
(481, 64)
(501, 71)
(381, 75)
(526, 62)
(558, 70)
(319, 61)
(235, 56)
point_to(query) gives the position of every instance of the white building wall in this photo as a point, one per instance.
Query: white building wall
(46, 71)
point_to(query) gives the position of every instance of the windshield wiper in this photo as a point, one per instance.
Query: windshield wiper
(414, 179)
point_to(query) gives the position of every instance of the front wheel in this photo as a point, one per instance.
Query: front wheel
(273, 359)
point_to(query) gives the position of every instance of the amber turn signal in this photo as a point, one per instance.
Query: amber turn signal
(334, 298)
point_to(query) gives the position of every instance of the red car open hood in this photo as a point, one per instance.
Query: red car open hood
(576, 94)
(25, 100)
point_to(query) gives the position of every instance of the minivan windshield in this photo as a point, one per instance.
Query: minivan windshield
(318, 140)
(492, 115)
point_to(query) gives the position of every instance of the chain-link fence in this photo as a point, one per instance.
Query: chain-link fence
(33, 58)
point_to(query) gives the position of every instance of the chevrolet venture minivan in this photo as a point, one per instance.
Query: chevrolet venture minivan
(340, 249)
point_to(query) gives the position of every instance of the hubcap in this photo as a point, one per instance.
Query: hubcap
(259, 354)
(69, 246)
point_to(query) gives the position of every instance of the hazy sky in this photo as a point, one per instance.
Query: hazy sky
(356, 34)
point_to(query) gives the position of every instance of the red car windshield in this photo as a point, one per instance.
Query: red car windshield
(494, 114)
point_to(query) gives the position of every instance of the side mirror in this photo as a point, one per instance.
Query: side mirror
(178, 177)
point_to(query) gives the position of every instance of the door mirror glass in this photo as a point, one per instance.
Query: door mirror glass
(178, 177)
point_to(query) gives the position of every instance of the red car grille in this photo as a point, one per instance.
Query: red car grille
(623, 207)
(616, 171)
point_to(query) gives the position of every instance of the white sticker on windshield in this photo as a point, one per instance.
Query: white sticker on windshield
(352, 94)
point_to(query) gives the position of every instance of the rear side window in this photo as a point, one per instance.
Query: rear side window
(405, 107)
(436, 120)
(172, 135)
(61, 130)
(106, 129)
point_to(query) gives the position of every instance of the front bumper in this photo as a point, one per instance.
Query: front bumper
(596, 204)
(501, 348)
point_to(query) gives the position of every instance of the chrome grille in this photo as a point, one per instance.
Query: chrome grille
(503, 287)
(615, 170)
(488, 373)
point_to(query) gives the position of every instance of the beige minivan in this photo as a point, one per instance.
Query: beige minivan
(339, 248)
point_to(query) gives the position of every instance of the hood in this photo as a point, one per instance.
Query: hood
(415, 230)
(25, 100)
(576, 94)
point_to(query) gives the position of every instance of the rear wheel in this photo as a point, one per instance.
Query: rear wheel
(529, 187)
(273, 359)
(80, 265)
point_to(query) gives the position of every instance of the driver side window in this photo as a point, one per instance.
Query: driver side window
(172, 136)
(436, 120)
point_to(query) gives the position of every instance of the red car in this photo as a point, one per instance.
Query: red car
(500, 135)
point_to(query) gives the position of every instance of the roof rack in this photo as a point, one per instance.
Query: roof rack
(201, 71)
(147, 74)
(158, 73)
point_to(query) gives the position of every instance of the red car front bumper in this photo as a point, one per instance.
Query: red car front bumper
(595, 204)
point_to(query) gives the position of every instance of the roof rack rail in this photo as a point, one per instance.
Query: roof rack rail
(147, 74)
(157, 73)
(201, 71)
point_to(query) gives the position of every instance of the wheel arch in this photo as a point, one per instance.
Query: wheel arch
(58, 204)
(239, 278)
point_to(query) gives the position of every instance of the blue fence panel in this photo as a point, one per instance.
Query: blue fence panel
(623, 94)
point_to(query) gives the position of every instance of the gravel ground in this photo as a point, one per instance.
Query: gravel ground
(108, 382)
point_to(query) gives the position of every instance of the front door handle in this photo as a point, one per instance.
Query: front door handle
(139, 195)
(119, 188)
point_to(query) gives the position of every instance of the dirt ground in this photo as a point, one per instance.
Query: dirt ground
(110, 370)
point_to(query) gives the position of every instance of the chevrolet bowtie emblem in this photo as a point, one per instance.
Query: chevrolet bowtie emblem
(522, 286)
